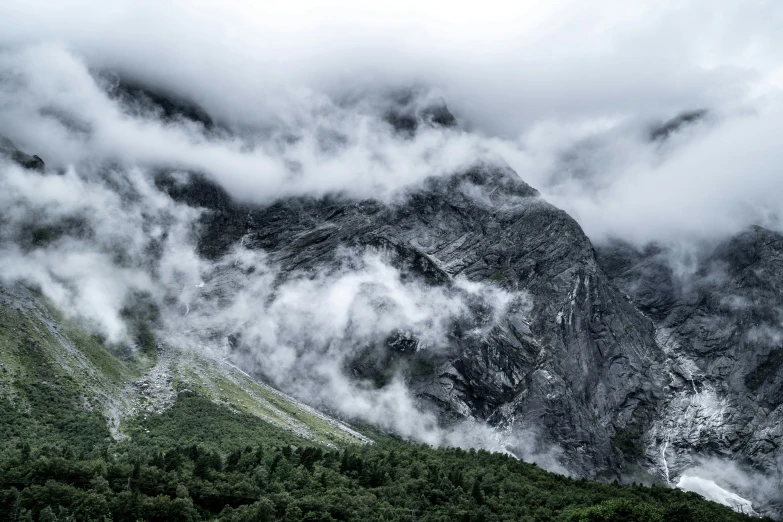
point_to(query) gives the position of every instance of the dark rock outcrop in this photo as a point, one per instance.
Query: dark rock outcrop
(578, 363)
(406, 112)
(28, 161)
(721, 325)
(141, 100)
(662, 131)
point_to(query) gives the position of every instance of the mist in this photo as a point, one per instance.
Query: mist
(730, 484)
(97, 239)
(564, 93)
(568, 95)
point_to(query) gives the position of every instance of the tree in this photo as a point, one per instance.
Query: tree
(47, 515)
(622, 510)
(476, 492)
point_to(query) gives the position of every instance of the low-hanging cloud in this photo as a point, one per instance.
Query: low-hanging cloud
(565, 93)
(707, 182)
(730, 484)
(302, 333)
(95, 237)
(86, 241)
(331, 149)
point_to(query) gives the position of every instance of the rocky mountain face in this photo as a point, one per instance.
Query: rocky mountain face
(633, 370)
(572, 357)
(719, 326)
(28, 161)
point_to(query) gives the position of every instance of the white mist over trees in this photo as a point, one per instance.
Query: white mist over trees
(567, 94)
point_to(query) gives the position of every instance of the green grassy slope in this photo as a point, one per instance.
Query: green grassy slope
(218, 447)
(42, 352)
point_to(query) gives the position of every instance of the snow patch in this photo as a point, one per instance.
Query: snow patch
(711, 491)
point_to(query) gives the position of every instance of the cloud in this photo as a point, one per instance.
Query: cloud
(331, 148)
(305, 332)
(506, 66)
(730, 484)
(95, 238)
(711, 491)
(709, 181)
(89, 242)
(564, 92)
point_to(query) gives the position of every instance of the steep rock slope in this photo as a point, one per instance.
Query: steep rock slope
(28, 161)
(618, 370)
(720, 325)
(572, 359)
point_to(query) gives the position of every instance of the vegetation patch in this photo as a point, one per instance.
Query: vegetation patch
(498, 275)
(200, 461)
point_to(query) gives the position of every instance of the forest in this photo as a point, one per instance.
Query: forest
(202, 461)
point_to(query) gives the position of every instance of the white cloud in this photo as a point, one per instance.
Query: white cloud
(85, 240)
(533, 82)
(563, 91)
(505, 64)
(730, 484)
(707, 182)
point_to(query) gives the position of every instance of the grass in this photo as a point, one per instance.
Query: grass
(46, 404)
(195, 419)
(498, 275)
(57, 380)
(251, 397)
(111, 367)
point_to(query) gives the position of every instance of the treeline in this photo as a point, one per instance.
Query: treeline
(200, 461)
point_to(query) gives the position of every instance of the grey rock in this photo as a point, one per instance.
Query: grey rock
(721, 327)
(663, 131)
(580, 365)
(143, 100)
(28, 161)
(406, 113)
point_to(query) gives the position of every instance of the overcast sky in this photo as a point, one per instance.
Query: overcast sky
(532, 82)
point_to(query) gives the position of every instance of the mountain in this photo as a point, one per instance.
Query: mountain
(604, 353)
(90, 433)
(719, 326)
(581, 363)
(601, 358)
